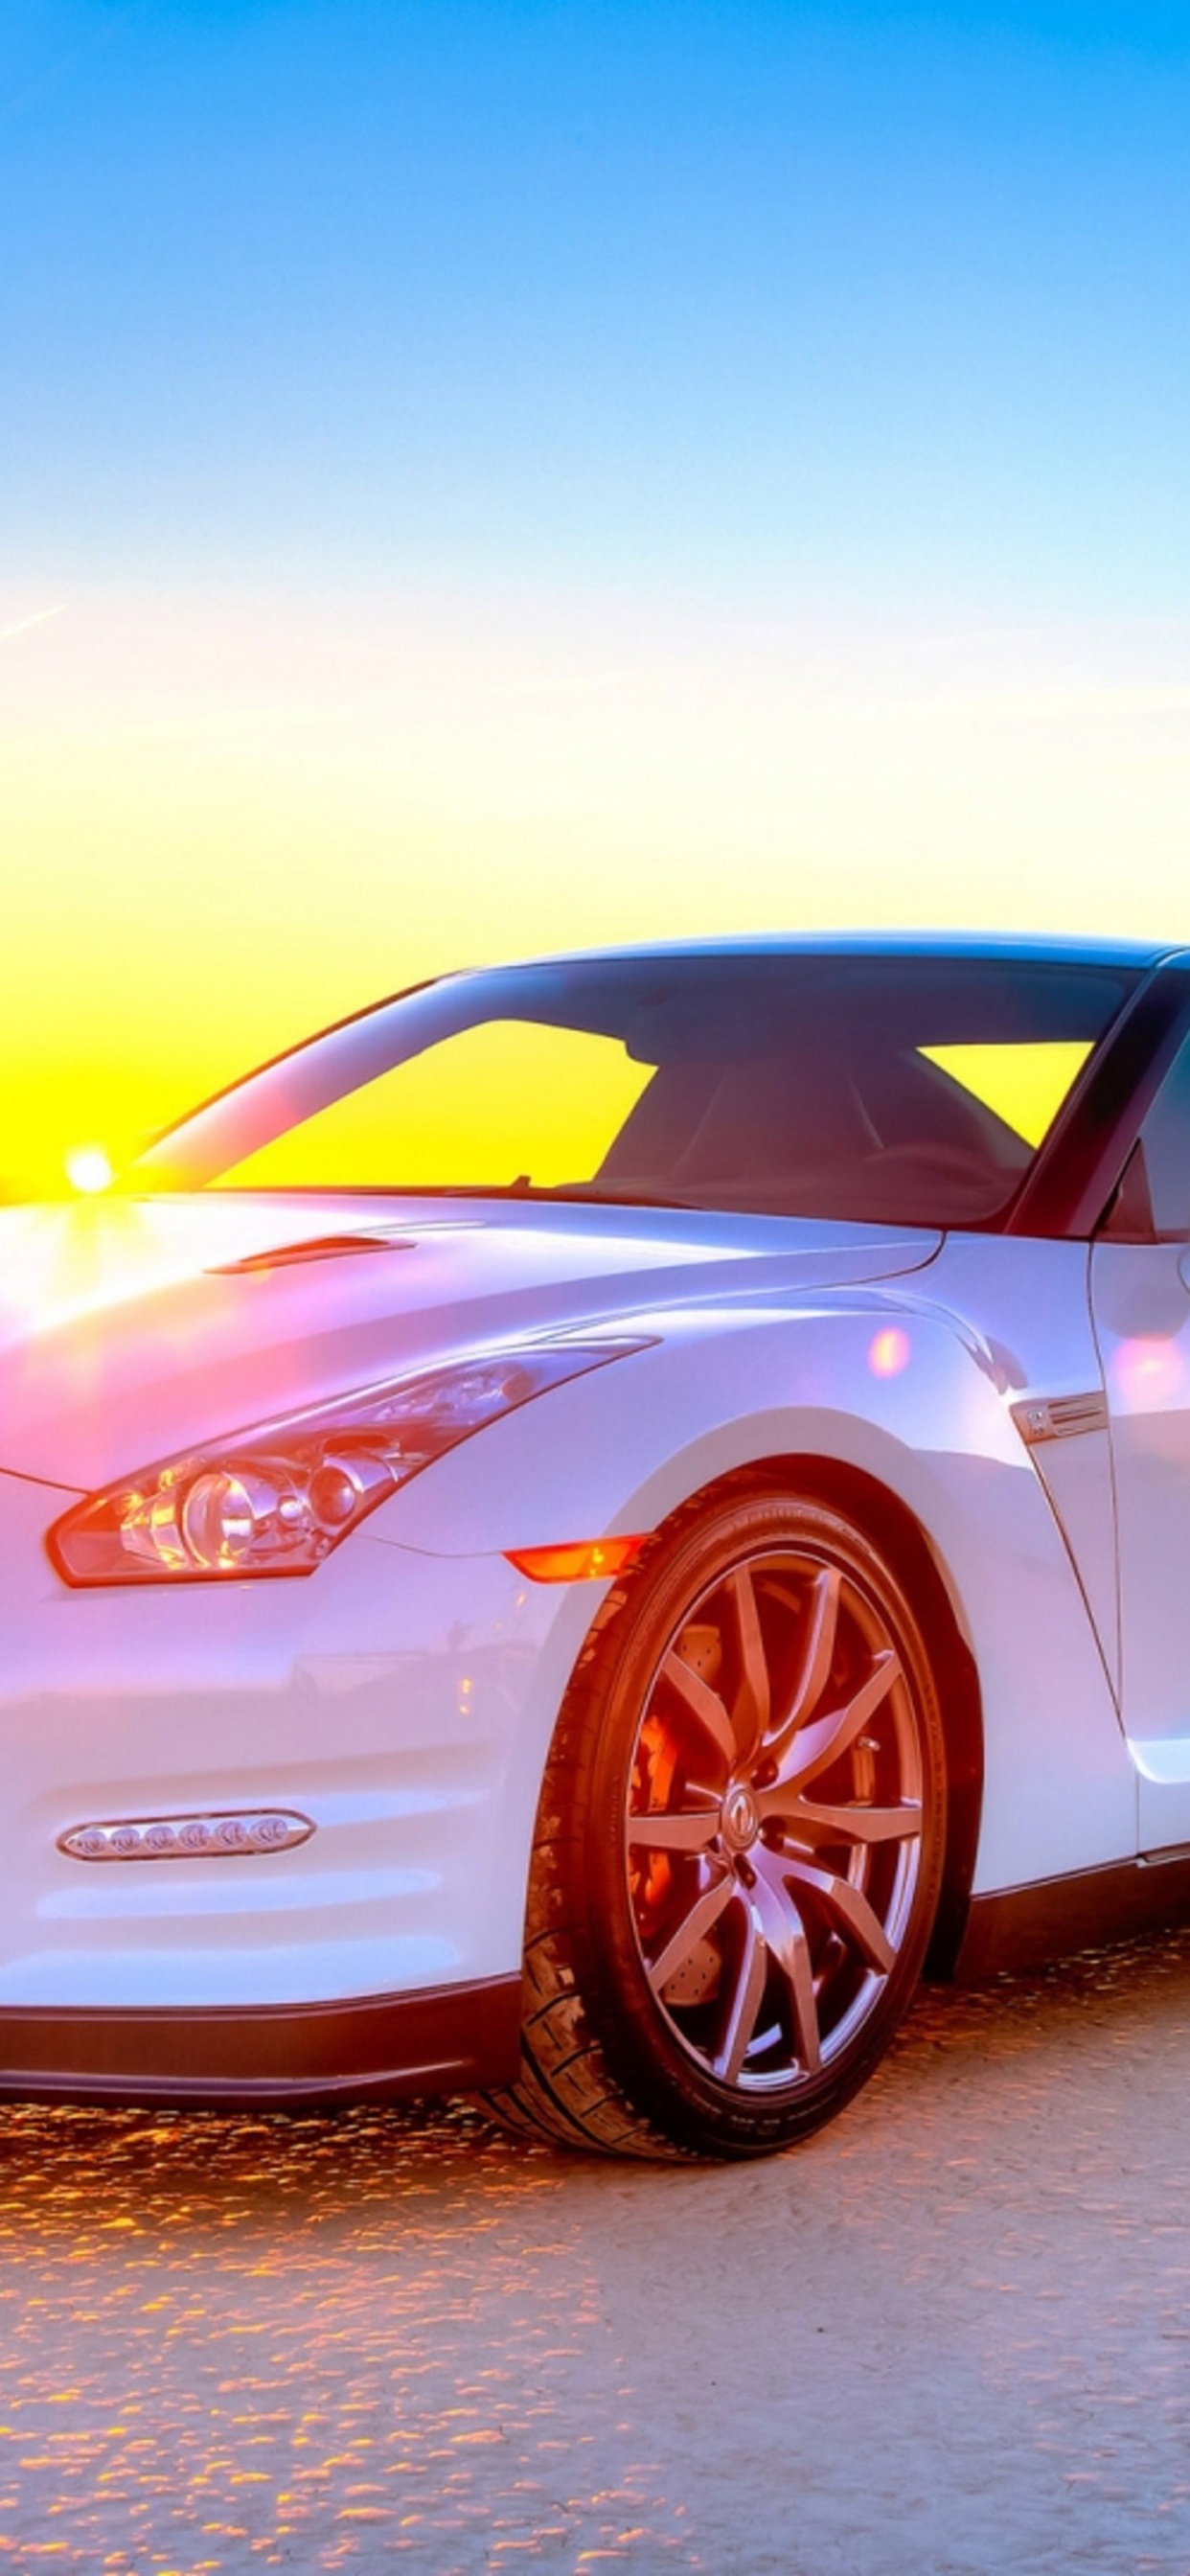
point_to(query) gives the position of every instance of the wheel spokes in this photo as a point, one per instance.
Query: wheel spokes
(847, 1824)
(817, 1658)
(849, 1909)
(704, 1704)
(788, 1947)
(693, 1928)
(812, 1748)
(747, 1994)
(751, 1713)
(772, 1842)
(691, 1831)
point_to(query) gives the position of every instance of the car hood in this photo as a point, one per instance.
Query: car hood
(131, 1329)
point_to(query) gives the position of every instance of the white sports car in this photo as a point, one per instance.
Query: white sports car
(566, 1535)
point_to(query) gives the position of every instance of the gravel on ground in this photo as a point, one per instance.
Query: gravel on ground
(949, 2337)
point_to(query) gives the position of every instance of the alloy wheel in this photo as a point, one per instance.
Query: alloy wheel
(773, 1825)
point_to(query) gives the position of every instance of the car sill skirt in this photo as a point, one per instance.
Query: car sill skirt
(377, 2048)
(1020, 1927)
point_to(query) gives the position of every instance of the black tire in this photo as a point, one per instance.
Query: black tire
(739, 1842)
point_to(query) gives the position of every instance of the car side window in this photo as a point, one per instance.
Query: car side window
(1153, 1200)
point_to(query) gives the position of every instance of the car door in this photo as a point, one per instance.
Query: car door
(1140, 1290)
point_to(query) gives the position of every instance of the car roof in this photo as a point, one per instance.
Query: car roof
(991, 946)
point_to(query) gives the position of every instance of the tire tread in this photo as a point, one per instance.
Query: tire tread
(566, 2092)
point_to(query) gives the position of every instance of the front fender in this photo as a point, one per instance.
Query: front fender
(881, 1384)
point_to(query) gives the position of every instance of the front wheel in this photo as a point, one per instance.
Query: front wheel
(739, 1842)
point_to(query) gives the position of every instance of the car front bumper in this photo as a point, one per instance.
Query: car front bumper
(399, 1702)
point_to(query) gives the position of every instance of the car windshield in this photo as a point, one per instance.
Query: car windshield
(888, 1088)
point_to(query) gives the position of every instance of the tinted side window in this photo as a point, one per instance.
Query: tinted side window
(1155, 1193)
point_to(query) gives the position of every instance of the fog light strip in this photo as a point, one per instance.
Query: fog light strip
(229, 1835)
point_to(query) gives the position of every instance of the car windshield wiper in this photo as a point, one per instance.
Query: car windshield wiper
(586, 1192)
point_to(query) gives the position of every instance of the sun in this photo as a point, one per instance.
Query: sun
(88, 1169)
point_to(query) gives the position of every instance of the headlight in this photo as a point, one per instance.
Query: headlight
(276, 1499)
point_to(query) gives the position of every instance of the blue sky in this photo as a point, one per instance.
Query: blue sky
(484, 476)
(852, 303)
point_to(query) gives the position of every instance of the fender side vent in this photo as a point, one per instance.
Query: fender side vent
(1059, 1417)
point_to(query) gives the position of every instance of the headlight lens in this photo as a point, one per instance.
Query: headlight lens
(276, 1499)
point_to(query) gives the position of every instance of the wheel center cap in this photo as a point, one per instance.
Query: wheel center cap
(741, 1818)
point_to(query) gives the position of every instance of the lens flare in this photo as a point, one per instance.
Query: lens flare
(1148, 1371)
(88, 1169)
(888, 1352)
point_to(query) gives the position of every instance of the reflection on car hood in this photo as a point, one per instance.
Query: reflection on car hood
(131, 1329)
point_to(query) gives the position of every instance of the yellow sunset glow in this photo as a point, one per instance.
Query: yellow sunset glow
(238, 817)
(1025, 1085)
(493, 1104)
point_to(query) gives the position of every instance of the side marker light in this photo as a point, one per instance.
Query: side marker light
(586, 1560)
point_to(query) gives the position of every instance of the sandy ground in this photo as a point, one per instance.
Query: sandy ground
(953, 2334)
